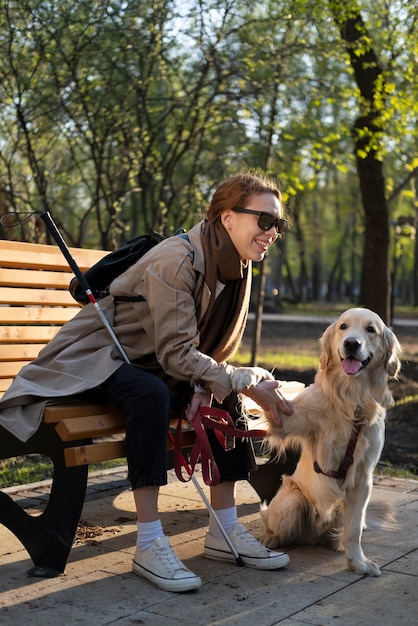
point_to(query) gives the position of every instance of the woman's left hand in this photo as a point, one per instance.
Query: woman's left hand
(267, 394)
(199, 398)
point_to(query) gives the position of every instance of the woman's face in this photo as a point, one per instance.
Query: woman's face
(251, 241)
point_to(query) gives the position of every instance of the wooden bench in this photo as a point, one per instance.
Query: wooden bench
(34, 304)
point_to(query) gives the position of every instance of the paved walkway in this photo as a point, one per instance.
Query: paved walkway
(315, 589)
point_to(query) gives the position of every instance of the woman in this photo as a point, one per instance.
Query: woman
(180, 313)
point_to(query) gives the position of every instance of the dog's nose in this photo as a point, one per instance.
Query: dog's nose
(351, 345)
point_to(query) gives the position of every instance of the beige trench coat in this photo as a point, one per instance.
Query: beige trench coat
(82, 355)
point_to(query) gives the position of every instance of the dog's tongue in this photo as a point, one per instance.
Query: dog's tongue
(351, 366)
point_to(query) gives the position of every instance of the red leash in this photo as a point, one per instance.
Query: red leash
(224, 428)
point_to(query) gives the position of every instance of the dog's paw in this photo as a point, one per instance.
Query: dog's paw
(364, 567)
(245, 377)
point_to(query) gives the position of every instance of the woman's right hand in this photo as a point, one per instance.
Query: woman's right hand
(199, 398)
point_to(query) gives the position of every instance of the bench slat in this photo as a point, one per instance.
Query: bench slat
(26, 334)
(101, 425)
(43, 257)
(28, 246)
(10, 295)
(37, 314)
(94, 453)
(5, 384)
(17, 278)
(56, 412)
(11, 368)
(18, 352)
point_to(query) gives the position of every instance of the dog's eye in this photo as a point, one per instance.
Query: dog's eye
(371, 329)
(343, 326)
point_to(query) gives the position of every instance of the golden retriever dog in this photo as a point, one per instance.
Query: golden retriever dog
(338, 424)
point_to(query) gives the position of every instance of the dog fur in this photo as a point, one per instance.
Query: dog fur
(359, 354)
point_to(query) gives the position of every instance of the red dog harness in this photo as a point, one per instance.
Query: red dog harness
(348, 460)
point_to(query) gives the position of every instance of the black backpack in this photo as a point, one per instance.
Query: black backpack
(102, 273)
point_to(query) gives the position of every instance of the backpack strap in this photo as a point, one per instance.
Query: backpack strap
(128, 298)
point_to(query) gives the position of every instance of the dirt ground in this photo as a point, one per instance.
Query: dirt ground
(401, 444)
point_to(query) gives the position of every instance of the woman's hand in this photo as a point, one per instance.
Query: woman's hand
(199, 398)
(267, 395)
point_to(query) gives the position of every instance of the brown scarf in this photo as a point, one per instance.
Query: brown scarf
(223, 324)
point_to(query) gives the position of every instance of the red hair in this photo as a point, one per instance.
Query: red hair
(235, 191)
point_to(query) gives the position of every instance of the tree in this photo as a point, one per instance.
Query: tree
(122, 117)
(110, 111)
(368, 128)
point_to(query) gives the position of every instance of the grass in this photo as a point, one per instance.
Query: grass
(406, 400)
(33, 468)
(316, 308)
(396, 472)
(271, 360)
(24, 469)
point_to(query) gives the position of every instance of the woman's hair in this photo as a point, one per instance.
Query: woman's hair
(235, 191)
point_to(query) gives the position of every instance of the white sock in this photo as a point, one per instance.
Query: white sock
(147, 533)
(228, 519)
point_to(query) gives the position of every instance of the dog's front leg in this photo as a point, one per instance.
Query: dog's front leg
(355, 505)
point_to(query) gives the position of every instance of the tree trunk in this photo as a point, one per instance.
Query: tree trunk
(376, 284)
(256, 339)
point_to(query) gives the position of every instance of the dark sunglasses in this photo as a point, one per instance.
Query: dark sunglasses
(266, 221)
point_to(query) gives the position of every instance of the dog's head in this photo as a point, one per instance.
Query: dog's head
(357, 340)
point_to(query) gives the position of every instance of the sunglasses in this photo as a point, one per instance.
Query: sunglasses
(266, 221)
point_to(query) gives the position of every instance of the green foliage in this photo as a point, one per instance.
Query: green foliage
(120, 117)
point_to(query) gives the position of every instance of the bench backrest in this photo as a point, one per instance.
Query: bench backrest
(34, 300)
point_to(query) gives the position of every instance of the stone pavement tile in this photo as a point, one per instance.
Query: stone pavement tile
(109, 593)
(9, 543)
(397, 494)
(238, 596)
(407, 564)
(99, 587)
(292, 622)
(231, 597)
(394, 544)
(388, 601)
(95, 598)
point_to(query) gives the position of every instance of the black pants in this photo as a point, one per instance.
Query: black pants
(146, 404)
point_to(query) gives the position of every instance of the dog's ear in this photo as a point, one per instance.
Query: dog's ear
(326, 343)
(393, 351)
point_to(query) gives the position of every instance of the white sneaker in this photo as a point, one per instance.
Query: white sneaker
(163, 568)
(252, 552)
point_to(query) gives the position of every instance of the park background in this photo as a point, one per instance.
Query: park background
(121, 117)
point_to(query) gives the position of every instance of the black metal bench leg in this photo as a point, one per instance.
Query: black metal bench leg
(48, 537)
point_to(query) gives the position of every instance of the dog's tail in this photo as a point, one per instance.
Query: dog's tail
(380, 515)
